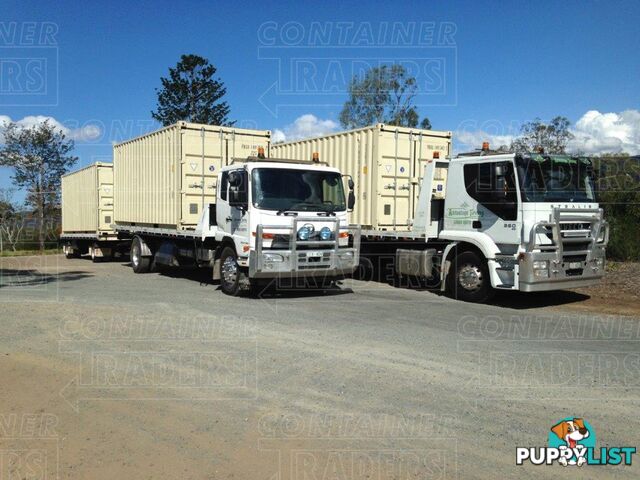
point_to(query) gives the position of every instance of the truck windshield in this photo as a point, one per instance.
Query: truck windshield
(555, 178)
(298, 190)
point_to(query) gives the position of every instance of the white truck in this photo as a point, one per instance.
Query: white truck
(526, 222)
(271, 219)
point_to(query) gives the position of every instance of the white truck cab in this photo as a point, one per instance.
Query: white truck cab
(278, 218)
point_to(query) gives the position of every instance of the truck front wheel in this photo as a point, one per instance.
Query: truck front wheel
(139, 263)
(468, 278)
(230, 272)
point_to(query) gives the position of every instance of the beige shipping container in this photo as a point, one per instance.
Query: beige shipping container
(166, 177)
(87, 201)
(386, 163)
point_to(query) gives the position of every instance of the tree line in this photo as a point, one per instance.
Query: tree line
(39, 155)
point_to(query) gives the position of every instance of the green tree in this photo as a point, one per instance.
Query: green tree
(192, 93)
(39, 156)
(618, 186)
(552, 137)
(383, 95)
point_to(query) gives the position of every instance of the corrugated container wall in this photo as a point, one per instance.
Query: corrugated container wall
(87, 200)
(386, 163)
(165, 178)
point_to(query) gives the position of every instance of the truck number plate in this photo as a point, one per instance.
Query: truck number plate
(314, 254)
(575, 265)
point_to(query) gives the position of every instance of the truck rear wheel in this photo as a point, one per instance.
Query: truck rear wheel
(468, 278)
(230, 272)
(139, 263)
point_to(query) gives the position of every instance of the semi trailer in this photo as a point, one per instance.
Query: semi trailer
(87, 213)
(482, 223)
(185, 196)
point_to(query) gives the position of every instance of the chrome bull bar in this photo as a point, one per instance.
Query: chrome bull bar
(327, 258)
(596, 234)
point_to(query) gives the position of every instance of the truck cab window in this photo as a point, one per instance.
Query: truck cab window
(493, 185)
(224, 185)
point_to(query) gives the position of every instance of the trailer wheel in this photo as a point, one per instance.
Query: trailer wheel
(468, 280)
(139, 263)
(94, 257)
(230, 272)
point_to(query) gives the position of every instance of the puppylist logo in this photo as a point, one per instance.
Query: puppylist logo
(572, 442)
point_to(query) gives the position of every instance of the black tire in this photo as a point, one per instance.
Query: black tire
(139, 263)
(230, 272)
(468, 278)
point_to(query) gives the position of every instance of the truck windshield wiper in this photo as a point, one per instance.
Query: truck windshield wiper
(287, 213)
(328, 213)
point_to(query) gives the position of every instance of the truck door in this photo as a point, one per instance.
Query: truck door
(491, 203)
(233, 214)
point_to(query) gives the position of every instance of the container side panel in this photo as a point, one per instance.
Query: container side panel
(386, 167)
(80, 201)
(164, 178)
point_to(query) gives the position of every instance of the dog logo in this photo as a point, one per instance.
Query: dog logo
(572, 441)
(572, 432)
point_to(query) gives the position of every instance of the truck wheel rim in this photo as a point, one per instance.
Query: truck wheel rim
(229, 271)
(470, 277)
(135, 255)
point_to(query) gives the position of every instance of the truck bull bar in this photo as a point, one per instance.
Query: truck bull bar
(316, 258)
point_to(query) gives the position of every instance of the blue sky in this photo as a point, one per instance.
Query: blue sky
(484, 67)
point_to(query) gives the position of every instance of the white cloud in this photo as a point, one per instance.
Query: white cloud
(597, 132)
(305, 126)
(594, 133)
(85, 133)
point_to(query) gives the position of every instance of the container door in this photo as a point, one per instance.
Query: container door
(203, 155)
(105, 198)
(394, 179)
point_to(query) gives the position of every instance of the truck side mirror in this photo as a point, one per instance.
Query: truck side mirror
(351, 200)
(351, 184)
(238, 195)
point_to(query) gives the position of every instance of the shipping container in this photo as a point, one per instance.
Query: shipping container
(87, 201)
(386, 163)
(167, 177)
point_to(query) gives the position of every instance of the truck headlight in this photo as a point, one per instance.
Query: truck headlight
(346, 256)
(541, 268)
(325, 233)
(540, 265)
(273, 257)
(303, 233)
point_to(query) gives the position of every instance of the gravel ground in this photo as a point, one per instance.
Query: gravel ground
(107, 374)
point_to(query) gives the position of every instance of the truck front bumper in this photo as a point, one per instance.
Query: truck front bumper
(539, 271)
(302, 263)
(306, 259)
(574, 258)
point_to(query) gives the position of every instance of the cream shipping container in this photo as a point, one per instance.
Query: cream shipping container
(87, 212)
(208, 196)
(166, 178)
(470, 225)
(386, 163)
